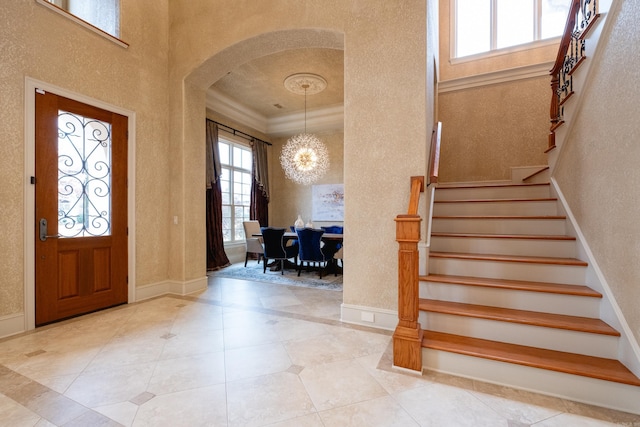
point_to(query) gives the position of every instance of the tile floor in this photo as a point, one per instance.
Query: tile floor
(246, 354)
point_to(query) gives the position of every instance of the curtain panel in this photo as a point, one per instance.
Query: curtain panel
(216, 256)
(259, 208)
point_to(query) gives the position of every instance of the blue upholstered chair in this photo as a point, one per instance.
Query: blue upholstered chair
(331, 248)
(310, 249)
(275, 249)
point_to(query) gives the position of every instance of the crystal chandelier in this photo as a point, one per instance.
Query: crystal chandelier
(304, 158)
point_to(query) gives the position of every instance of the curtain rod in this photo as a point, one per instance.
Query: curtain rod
(237, 132)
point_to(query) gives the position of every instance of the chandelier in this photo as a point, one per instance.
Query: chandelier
(304, 158)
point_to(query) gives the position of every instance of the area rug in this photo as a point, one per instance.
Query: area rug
(253, 272)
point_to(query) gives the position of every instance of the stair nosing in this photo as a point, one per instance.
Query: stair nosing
(532, 199)
(532, 357)
(501, 217)
(504, 185)
(523, 317)
(521, 285)
(510, 258)
(504, 236)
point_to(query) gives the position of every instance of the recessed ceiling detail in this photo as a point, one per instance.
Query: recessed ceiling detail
(305, 83)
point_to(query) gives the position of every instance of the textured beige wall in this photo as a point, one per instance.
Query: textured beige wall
(38, 43)
(385, 68)
(598, 169)
(459, 69)
(288, 199)
(486, 130)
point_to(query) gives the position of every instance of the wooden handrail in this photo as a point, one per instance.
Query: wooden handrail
(417, 187)
(582, 16)
(434, 158)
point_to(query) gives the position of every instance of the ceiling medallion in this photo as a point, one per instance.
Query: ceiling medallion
(305, 83)
(305, 158)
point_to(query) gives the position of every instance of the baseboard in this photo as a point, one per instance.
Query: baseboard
(170, 287)
(369, 316)
(11, 325)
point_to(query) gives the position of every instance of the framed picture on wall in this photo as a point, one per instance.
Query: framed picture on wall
(328, 202)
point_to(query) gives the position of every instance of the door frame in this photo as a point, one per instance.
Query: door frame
(29, 190)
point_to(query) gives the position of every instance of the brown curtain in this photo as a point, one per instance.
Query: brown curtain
(259, 208)
(216, 256)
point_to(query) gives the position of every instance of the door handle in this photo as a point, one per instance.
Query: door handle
(43, 231)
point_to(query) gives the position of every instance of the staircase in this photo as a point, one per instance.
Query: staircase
(504, 300)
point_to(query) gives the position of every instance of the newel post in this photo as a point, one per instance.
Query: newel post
(407, 338)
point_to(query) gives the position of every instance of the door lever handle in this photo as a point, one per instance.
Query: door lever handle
(43, 231)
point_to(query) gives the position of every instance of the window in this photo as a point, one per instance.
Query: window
(98, 15)
(236, 179)
(488, 25)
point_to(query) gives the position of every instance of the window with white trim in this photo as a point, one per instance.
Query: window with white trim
(102, 14)
(237, 163)
(487, 25)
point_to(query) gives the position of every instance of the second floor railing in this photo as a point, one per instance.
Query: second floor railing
(582, 15)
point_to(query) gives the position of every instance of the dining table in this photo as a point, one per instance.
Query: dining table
(331, 241)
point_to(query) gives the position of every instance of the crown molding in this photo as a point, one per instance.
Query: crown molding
(494, 77)
(330, 118)
(323, 119)
(231, 108)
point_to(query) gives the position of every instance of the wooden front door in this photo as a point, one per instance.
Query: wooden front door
(80, 208)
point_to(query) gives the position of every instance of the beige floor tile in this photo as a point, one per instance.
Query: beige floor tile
(312, 420)
(112, 385)
(260, 333)
(267, 399)
(14, 414)
(278, 301)
(193, 408)
(258, 360)
(566, 420)
(442, 405)
(123, 412)
(339, 384)
(317, 350)
(187, 373)
(192, 343)
(391, 381)
(298, 330)
(380, 412)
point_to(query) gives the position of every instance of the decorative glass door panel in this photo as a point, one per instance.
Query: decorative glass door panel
(84, 176)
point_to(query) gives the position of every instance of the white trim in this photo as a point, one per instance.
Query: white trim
(29, 192)
(83, 23)
(11, 325)
(329, 118)
(171, 287)
(610, 312)
(229, 107)
(495, 77)
(356, 314)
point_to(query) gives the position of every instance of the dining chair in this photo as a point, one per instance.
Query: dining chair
(275, 249)
(254, 244)
(338, 257)
(310, 248)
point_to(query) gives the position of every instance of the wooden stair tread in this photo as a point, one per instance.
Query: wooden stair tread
(500, 217)
(510, 258)
(576, 364)
(548, 320)
(444, 186)
(554, 288)
(504, 236)
(533, 199)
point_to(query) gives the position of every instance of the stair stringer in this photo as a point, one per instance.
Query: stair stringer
(610, 312)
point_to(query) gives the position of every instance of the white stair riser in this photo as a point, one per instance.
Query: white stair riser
(531, 208)
(606, 394)
(510, 246)
(549, 273)
(549, 227)
(596, 345)
(571, 305)
(497, 192)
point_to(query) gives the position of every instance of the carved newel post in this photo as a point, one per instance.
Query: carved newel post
(407, 338)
